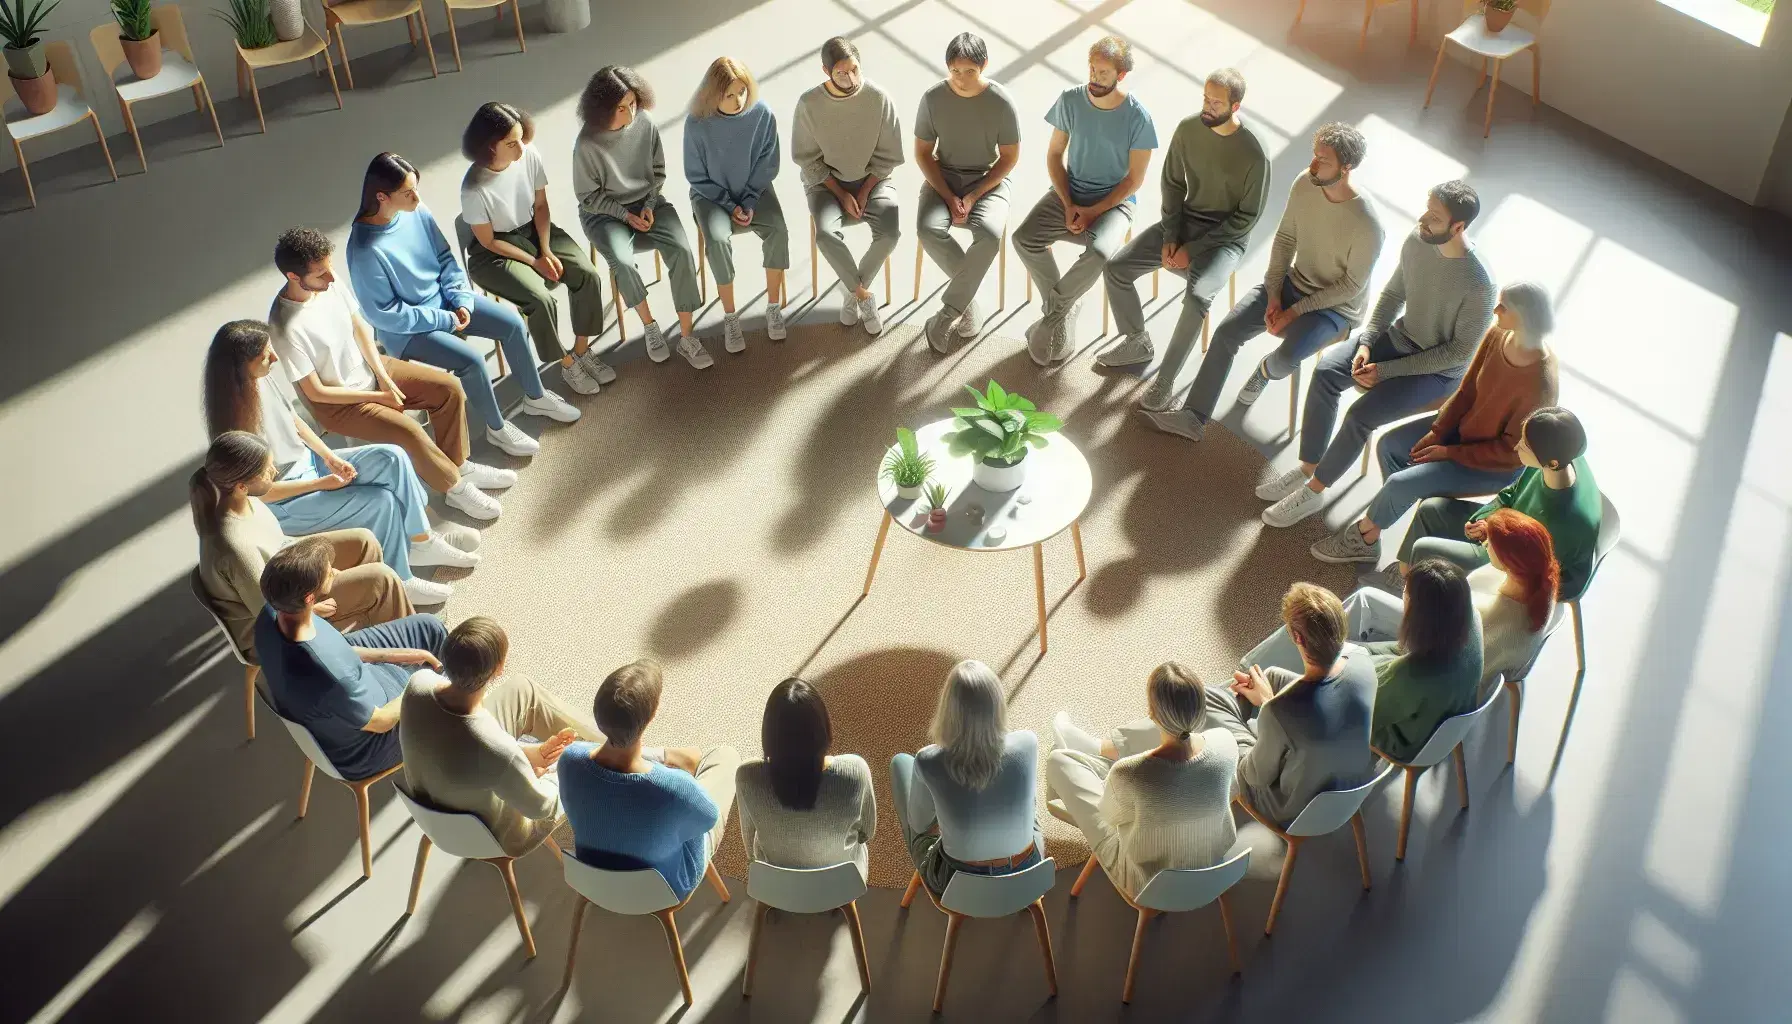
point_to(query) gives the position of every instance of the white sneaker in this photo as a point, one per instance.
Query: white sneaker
(1282, 486)
(429, 592)
(691, 348)
(869, 317)
(553, 407)
(437, 551)
(970, 322)
(486, 478)
(1294, 507)
(732, 338)
(656, 343)
(463, 537)
(578, 377)
(849, 310)
(512, 441)
(598, 369)
(1161, 396)
(1131, 350)
(774, 322)
(474, 502)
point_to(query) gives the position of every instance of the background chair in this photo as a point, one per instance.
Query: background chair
(450, 6)
(1472, 35)
(703, 269)
(815, 267)
(1001, 272)
(306, 47)
(244, 658)
(316, 758)
(634, 893)
(1369, 7)
(1325, 813)
(973, 895)
(1446, 741)
(641, 245)
(806, 891)
(467, 837)
(356, 13)
(178, 71)
(1174, 890)
(71, 109)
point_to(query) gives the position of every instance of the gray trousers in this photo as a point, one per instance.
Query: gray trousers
(880, 213)
(1044, 226)
(1208, 269)
(966, 268)
(719, 229)
(1436, 532)
(616, 241)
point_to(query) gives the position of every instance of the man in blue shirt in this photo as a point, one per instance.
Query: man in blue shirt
(632, 807)
(1102, 138)
(344, 688)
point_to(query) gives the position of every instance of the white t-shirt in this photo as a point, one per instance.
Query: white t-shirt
(505, 200)
(278, 426)
(318, 336)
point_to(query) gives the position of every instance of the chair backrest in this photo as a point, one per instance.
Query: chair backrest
(1538, 9)
(60, 55)
(205, 601)
(1177, 889)
(977, 895)
(1608, 531)
(463, 235)
(168, 21)
(1451, 731)
(456, 832)
(643, 891)
(805, 890)
(1557, 616)
(307, 742)
(1330, 810)
(104, 39)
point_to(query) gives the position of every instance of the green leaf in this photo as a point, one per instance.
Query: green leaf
(1022, 403)
(998, 396)
(966, 414)
(989, 427)
(1043, 422)
(1038, 441)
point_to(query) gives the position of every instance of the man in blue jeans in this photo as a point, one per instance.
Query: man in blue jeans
(1314, 291)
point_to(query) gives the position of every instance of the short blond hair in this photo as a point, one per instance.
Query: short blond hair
(722, 74)
(1315, 620)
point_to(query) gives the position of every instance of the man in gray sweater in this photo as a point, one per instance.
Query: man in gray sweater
(1402, 366)
(1214, 178)
(847, 140)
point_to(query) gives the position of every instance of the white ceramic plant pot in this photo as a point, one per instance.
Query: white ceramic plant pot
(911, 493)
(566, 15)
(288, 18)
(998, 476)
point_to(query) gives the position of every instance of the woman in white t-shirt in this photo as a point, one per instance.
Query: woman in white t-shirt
(317, 489)
(518, 253)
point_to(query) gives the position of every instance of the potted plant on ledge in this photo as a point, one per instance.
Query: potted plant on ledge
(905, 466)
(1499, 13)
(936, 506)
(251, 23)
(998, 434)
(137, 34)
(25, 63)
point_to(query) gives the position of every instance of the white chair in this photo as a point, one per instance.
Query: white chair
(71, 109)
(316, 758)
(1369, 7)
(973, 895)
(356, 13)
(1472, 35)
(178, 71)
(465, 836)
(635, 893)
(806, 891)
(307, 47)
(1446, 741)
(450, 6)
(1172, 891)
(1324, 814)
(250, 669)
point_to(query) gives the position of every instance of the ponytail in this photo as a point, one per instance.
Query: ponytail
(235, 457)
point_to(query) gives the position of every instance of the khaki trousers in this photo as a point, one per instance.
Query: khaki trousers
(366, 591)
(434, 391)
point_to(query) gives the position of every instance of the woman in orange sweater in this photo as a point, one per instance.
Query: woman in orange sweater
(1471, 446)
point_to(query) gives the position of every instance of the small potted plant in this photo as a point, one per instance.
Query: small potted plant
(997, 434)
(936, 504)
(250, 22)
(25, 63)
(1499, 13)
(905, 466)
(137, 34)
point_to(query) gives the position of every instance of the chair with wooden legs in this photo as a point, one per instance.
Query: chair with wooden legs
(463, 237)
(1446, 741)
(450, 6)
(251, 670)
(1369, 8)
(636, 894)
(71, 109)
(1494, 47)
(806, 891)
(1207, 321)
(1324, 814)
(315, 758)
(1104, 295)
(1294, 389)
(641, 245)
(179, 71)
(359, 13)
(307, 47)
(1172, 891)
(815, 267)
(465, 836)
(972, 895)
(1001, 271)
(703, 270)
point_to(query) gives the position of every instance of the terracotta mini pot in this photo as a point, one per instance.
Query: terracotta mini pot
(936, 520)
(1497, 20)
(143, 55)
(38, 94)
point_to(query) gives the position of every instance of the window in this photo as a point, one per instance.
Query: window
(1744, 19)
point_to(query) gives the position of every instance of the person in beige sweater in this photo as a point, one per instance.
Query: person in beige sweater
(478, 741)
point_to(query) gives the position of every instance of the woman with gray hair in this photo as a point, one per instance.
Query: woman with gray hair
(1155, 794)
(965, 801)
(1471, 446)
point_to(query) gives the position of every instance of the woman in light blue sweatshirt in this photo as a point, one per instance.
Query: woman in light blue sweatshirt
(417, 299)
(731, 157)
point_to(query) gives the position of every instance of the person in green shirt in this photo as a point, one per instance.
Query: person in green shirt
(1427, 653)
(1556, 488)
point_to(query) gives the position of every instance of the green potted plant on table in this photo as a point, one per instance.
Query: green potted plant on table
(936, 504)
(905, 466)
(137, 34)
(250, 22)
(1499, 13)
(997, 434)
(25, 63)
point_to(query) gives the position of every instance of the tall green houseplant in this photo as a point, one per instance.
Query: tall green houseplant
(136, 19)
(21, 28)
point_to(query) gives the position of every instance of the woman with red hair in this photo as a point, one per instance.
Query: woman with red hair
(1515, 592)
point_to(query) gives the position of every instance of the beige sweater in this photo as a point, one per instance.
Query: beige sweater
(1168, 814)
(230, 566)
(1507, 643)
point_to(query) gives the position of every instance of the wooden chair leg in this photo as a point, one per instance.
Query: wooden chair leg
(1412, 23)
(621, 328)
(1076, 889)
(917, 297)
(1206, 331)
(1461, 777)
(1231, 939)
(1138, 947)
(1275, 904)
(914, 886)
(1487, 125)
(348, 72)
(100, 134)
(1154, 277)
(672, 941)
(887, 299)
(1362, 39)
(1362, 847)
(31, 194)
(857, 935)
(453, 38)
(131, 124)
(305, 788)
(1580, 640)
(1002, 273)
(1076, 539)
(1536, 74)
(1044, 931)
(410, 29)
(1436, 66)
(814, 265)
(213, 107)
(746, 985)
(1412, 781)
(507, 868)
(572, 944)
(1299, 12)
(953, 922)
(1293, 401)
(198, 104)
(1039, 589)
(1515, 700)
(255, 94)
(429, 47)
(516, 13)
(249, 674)
(715, 881)
(703, 270)
(363, 812)
(423, 845)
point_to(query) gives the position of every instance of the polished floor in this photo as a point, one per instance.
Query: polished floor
(1629, 868)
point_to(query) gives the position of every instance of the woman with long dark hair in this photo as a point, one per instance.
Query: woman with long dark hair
(411, 289)
(801, 807)
(1515, 592)
(1430, 668)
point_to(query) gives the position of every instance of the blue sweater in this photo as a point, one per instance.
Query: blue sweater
(731, 159)
(626, 822)
(405, 275)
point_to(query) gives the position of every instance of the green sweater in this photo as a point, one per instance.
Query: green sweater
(1412, 700)
(1571, 516)
(1213, 186)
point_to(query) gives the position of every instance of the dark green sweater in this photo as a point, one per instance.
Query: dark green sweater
(1412, 700)
(1213, 186)
(1570, 515)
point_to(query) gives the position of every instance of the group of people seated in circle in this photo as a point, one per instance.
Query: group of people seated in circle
(309, 554)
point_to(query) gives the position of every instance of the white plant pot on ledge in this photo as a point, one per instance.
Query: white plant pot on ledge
(998, 476)
(910, 493)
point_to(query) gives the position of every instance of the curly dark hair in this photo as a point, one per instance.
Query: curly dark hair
(1460, 198)
(298, 248)
(1344, 140)
(604, 93)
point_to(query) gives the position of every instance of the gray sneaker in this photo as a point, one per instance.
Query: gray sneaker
(1182, 423)
(1253, 387)
(578, 378)
(598, 369)
(1346, 547)
(970, 322)
(1063, 335)
(1132, 350)
(1161, 396)
(939, 332)
(691, 348)
(1039, 340)
(1388, 579)
(656, 343)
(732, 338)
(774, 322)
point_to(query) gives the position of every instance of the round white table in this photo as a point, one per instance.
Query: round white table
(1051, 500)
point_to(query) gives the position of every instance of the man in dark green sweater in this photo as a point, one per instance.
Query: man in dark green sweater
(1214, 179)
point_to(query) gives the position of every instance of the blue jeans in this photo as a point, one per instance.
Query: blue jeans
(421, 631)
(1306, 335)
(386, 497)
(1381, 405)
(1405, 483)
(491, 319)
